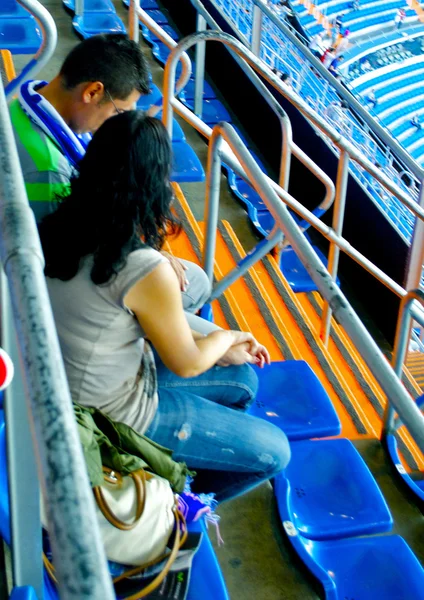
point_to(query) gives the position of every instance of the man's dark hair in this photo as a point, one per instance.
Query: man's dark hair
(110, 58)
(284, 76)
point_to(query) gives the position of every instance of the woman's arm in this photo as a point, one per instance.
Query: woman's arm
(156, 302)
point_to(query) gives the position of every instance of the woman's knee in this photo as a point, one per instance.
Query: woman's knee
(272, 448)
(243, 382)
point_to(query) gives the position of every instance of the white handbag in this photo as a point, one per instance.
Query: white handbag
(136, 516)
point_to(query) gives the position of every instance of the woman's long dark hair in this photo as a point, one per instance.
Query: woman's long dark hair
(121, 196)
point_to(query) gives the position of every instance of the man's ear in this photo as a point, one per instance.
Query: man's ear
(93, 92)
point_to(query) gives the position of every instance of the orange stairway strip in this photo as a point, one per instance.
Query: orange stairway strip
(8, 64)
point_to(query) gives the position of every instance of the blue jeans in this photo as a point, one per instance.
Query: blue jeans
(202, 420)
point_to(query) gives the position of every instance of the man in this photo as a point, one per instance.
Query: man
(334, 65)
(415, 121)
(372, 98)
(101, 76)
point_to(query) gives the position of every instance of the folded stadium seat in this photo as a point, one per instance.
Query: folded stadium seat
(23, 593)
(187, 95)
(169, 30)
(144, 4)
(98, 17)
(327, 492)
(369, 568)
(20, 35)
(292, 397)
(296, 274)
(206, 579)
(91, 5)
(11, 8)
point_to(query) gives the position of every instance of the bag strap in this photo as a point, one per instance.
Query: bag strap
(179, 541)
(139, 477)
(153, 585)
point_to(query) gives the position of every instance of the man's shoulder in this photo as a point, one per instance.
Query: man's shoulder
(37, 151)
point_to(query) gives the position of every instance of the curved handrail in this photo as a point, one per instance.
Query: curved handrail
(71, 510)
(45, 51)
(377, 363)
(168, 41)
(287, 139)
(400, 347)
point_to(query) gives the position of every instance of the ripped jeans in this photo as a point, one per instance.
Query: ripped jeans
(202, 420)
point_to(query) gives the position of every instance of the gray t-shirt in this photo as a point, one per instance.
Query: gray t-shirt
(108, 364)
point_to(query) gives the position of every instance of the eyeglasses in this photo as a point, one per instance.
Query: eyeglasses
(118, 110)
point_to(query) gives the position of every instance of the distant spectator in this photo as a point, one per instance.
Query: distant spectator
(399, 18)
(334, 65)
(371, 98)
(415, 121)
(366, 66)
(316, 43)
(354, 5)
(286, 79)
(337, 26)
(336, 113)
(328, 56)
(344, 43)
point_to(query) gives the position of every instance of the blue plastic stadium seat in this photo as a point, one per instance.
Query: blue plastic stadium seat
(157, 16)
(93, 23)
(328, 492)
(188, 91)
(147, 100)
(20, 35)
(417, 487)
(144, 4)
(177, 132)
(213, 112)
(291, 397)
(370, 568)
(169, 30)
(206, 312)
(206, 580)
(91, 6)
(295, 273)
(23, 593)
(186, 167)
(11, 8)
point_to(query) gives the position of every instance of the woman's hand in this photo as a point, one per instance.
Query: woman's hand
(245, 349)
(179, 267)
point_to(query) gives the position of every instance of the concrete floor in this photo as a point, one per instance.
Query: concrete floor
(256, 559)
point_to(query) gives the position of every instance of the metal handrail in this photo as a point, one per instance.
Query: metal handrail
(383, 372)
(288, 146)
(46, 50)
(78, 550)
(403, 329)
(170, 103)
(142, 15)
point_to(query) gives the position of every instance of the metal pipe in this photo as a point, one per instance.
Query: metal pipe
(338, 220)
(400, 348)
(133, 23)
(256, 31)
(379, 131)
(416, 253)
(325, 230)
(170, 43)
(346, 316)
(79, 8)
(213, 187)
(45, 51)
(200, 69)
(78, 550)
(24, 489)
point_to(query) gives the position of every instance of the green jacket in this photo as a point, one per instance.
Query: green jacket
(119, 447)
(46, 170)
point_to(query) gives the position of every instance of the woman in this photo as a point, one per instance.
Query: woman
(109, 291)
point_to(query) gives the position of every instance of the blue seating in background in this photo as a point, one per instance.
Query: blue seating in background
(23, 593)
(10, 8)
(93, 23)
(328, 492)
(91, 6)
(20, 34)
(295, 272)
(292, 397)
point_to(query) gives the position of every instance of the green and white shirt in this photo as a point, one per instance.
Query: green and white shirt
(46, 170)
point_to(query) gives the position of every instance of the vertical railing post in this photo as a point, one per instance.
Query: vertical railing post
(201, 25)
(134, 25)
(256, 31)
(402, 336)
(213, 187)
(79, 8)
(24, 489)
(334, 253)
(416, 255)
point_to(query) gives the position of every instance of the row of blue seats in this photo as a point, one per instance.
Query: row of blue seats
(19, 31)
(342, 8)
(404, 111)
(99, 16)
(395, 100)
(364, 22)
(213, 112)
(388, 75)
